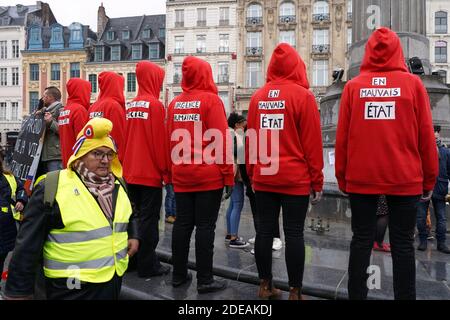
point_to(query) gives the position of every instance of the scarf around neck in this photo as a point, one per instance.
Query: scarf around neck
(101, 187)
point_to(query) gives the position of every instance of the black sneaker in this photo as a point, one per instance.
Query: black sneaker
(179, 282)
(163, 270)
(214, 286)
(228, 238)
(422, 246)
(443, 248)
(238, 243)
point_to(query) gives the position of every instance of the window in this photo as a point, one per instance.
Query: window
(98, 56)
(154, 51)
(254, 44)
(3, 77)
(349, 9)
(147, 33)
(136, 52)
(441, 22)
(3, 50)
(75, 70)
(201, 17)
(349, 37)
(254, 75)
(287, 12)
(440, 52)
(35, 34)
(15, 49)
(15, 76)
(126, 35)
(110, 35)
(254, 14)
(179, 18)
(76, 34)
(57, 34)
(14, 111)
(224, 43)
(320, 74)
(2, 111)
(226, 101)
(320, 41)
(223, 72)
(162, 32)
(93, 81)
(177, 73)
(115, 53)
(56, 72)
(224, 16)
(201, 43)
(34, 101)
(179, 44)
(34, 72)
(131, 82)
(288, 37)
(321, 11)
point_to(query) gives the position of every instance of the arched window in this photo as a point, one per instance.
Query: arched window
(57, 40)
(35, 39)
(440, 52)
(321, 11)
(287, 12)
(254, 14)
(441, 22)
(75, 32)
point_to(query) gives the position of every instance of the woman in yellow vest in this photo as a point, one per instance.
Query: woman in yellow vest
(12, 201)
(86, 237)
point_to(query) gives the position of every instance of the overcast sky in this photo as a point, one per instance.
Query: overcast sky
(85, 11)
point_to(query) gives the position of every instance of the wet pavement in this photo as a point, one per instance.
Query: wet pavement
(326, 263)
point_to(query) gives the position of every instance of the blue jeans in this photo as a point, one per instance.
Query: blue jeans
(235, 209)
(169, 203)
(53, 165)
(441, 219)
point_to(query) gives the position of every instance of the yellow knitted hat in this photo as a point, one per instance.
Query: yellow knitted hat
(96, 134)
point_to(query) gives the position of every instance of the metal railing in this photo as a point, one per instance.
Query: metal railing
(287, 19)
(201, 23)
(176, 78)
(254, 51)
(254, 21)
(223, 78)
(321, 17)
(321, 48)
(224, 22)
(179, 24)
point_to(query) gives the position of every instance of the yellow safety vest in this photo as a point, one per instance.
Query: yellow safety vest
(88, 248)
(13, 185)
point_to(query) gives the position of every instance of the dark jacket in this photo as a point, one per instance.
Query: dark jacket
(51, 149)
(8, 230)
(33, 232)
(441, 186)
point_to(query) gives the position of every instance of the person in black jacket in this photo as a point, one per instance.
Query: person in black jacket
(9, 201)
(438, 199)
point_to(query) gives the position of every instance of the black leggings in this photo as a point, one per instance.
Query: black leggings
(380, 232)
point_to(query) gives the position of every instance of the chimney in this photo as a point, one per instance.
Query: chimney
(102, 20)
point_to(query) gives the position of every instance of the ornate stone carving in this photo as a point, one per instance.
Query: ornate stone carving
(304, 19)
(339, 17)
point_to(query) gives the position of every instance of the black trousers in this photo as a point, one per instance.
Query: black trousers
(2, 261)
(60, 289)
(294, 214)
(147, 202)
(199, 210)
(252, 199)
(402, 222)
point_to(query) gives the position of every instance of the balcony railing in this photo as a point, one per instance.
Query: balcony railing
(224, 49)
(321, 17)
(179, 24)
(176, 78)
(287, 19)
(321, 48)
(223, 78)
(201, 23)
(224, 22)
(254, 51)
(201, 50)
(254, 21)
(178, 50)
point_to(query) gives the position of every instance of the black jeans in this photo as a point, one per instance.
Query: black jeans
(294, 214)
(147, 203)
(402, 221)
(252, 198)
(199, 210)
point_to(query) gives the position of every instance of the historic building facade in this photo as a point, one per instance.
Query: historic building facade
(320, 30)
(122, 43)
(206, 29)
(438, 33)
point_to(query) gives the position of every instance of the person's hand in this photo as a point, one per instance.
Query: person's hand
(133, 247)
(426, 196)
(316, 196)
(19, 206)
(228, 192)
(48, 117)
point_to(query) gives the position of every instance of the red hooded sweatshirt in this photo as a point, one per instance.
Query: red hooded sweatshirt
(385, 142)
(74, 115)
(198, 106)
(111, 105)
(145, 154)
(286, 107)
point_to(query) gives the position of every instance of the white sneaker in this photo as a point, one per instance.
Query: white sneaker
(252, 240)
(277, 244)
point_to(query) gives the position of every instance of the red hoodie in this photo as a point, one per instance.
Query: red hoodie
(145, 154)
(111, 105)
(286, 107)
(385, 142)
(198, 105)
(74, 115)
